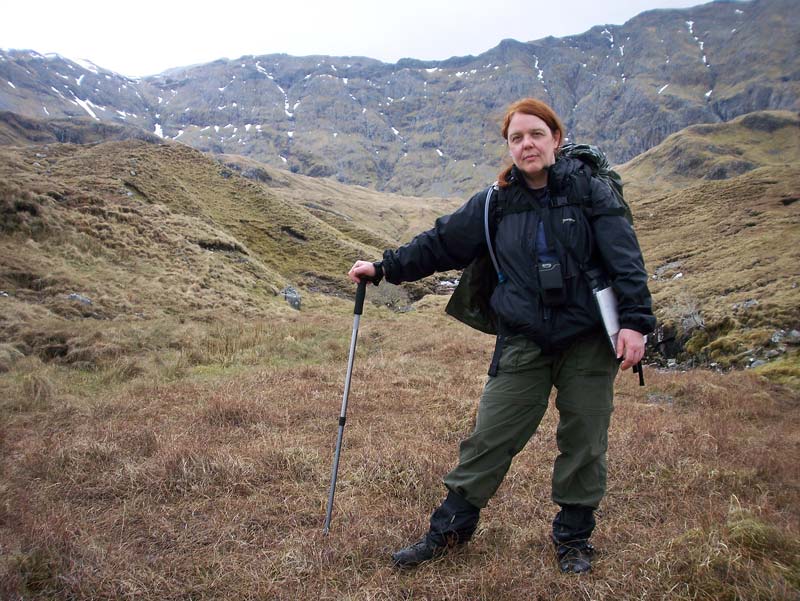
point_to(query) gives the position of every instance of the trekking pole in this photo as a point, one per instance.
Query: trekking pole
(359, 309)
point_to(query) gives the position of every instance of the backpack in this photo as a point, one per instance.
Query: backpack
(469, 302)
(597, 161)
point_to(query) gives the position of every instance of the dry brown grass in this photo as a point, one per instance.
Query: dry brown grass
(212, 484)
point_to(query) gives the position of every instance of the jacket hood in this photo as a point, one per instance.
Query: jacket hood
(557, 174)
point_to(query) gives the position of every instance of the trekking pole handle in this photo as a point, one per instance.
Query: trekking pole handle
(639, 369)
(361, 293)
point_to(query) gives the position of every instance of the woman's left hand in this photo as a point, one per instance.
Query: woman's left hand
(630, 347)
(361, 269)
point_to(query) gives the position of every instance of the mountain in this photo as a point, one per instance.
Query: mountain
(431, 127)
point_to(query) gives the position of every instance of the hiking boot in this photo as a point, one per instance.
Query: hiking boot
(575, 558)
(572, 527)
(421, 551)
(452, 524)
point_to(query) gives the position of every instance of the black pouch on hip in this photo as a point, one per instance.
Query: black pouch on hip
(551, 283)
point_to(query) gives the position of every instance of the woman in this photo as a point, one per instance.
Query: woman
(552, 250)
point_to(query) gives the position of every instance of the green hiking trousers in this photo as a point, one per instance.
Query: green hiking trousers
(513, 404)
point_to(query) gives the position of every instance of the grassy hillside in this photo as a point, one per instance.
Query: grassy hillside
(720, 245)
(132, 231)
(99, 238)
(724, 261)
(376, 218)
(713, 152)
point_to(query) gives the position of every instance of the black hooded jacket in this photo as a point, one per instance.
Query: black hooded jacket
(593, 236)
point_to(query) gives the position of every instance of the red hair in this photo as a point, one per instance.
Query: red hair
(537, 108)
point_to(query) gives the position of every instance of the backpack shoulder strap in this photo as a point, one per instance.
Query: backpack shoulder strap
(580, 193)
(487, 230)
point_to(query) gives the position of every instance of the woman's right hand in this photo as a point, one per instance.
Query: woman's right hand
(361, 269)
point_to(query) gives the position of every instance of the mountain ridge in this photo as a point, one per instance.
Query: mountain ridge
(430, 127)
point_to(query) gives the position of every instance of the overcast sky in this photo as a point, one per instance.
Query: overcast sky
(145, 37)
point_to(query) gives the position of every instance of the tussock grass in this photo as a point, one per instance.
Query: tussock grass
(377, 219)
(30, 386)
(757, 560)
(212, 483)
(784, 371)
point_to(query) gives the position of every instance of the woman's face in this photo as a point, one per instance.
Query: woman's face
(532, 146)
